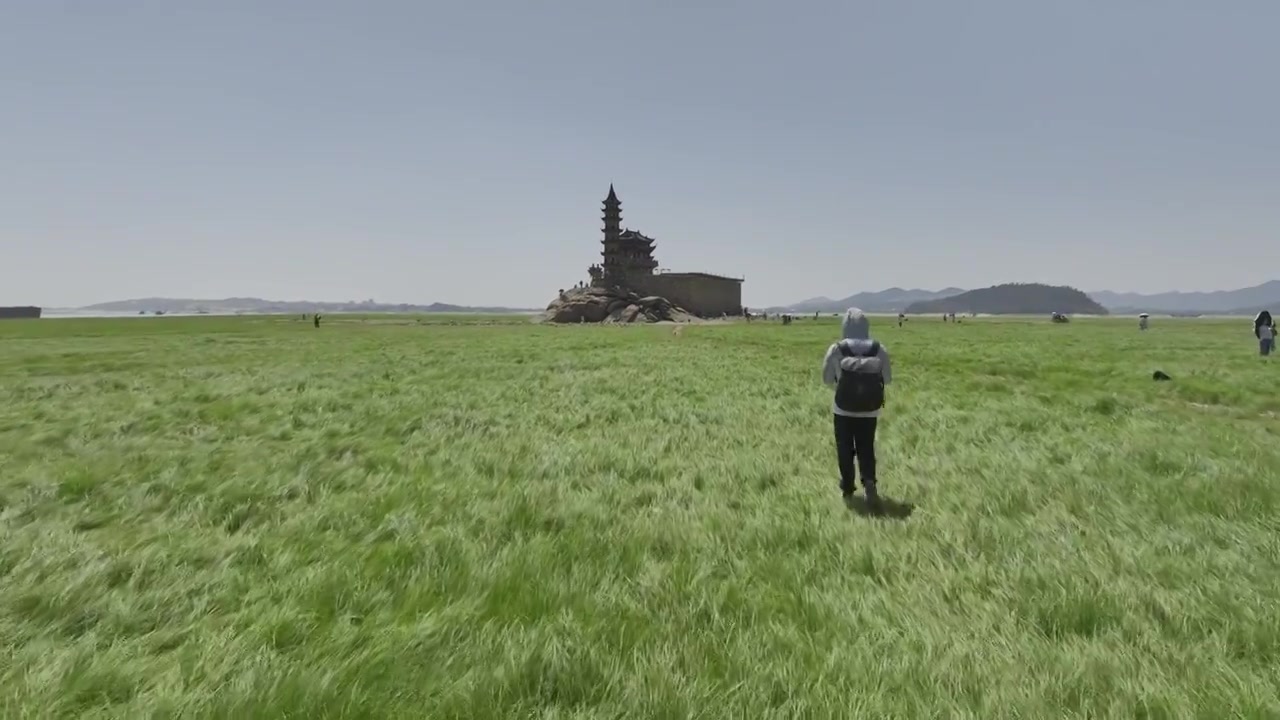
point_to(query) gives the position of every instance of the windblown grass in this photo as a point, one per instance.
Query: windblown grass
(251, 518)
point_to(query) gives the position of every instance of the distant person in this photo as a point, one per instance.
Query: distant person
(1263, 320)
(1142, 322)
(316, 318)
(857, 367)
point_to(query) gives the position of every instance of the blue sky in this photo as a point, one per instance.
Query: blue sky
(459, 151)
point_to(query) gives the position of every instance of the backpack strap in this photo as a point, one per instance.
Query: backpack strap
(872, 351)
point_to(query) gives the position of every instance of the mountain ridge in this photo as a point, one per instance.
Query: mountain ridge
(1240, 301)
(1215, 301)
(259, 305)
(894, 299)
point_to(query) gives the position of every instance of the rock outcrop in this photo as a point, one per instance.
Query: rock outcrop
(612, 305)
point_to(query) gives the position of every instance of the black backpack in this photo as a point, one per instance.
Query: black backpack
(861, 384)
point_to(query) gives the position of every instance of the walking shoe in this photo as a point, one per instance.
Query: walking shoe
(873, 497)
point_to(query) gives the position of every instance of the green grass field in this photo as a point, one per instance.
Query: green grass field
(403, 518)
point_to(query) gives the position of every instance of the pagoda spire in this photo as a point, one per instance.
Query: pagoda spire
(612, 215)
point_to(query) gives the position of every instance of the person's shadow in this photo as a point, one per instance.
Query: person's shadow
(888, 508)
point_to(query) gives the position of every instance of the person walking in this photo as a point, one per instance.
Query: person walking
(857, 368)
(1265, 330)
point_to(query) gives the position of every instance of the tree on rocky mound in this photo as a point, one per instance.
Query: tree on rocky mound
(1014, 299)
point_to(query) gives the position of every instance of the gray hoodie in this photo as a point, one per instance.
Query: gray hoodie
(855, 327)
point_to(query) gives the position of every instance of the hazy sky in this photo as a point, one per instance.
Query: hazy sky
(459, 151)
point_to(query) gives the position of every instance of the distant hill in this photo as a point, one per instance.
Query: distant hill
(1245, 301)
(1228, 302)
(1250, 311)
(1013, 299)
(258, 305)
(894, 299)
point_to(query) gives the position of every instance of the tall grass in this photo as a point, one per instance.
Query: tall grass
(252, 518)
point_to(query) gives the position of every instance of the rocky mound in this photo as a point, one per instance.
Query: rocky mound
(611, 305)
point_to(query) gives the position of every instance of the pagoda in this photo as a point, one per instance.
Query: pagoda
(626, 253)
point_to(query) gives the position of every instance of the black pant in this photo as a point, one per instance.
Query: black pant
(856, 437)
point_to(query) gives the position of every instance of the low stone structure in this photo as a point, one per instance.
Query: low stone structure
(611, 305)
(29, 312)
(705, 295)
(629, 270)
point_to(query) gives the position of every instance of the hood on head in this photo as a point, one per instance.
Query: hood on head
(855, 325)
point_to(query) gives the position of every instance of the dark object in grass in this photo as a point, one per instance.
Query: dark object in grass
(887, 507)
(1159, 375)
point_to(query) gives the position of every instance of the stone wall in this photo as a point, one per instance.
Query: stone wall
(700, 293)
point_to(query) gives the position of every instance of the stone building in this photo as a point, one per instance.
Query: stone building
(24, 312)
(627, 261)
